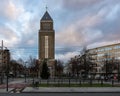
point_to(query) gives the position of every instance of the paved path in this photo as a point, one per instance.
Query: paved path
(71, 89)
(3, 90)
(17, 84)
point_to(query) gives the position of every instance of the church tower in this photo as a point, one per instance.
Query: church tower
(47, 41)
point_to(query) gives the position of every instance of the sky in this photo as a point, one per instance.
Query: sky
(77, 23)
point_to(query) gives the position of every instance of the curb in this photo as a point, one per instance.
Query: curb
(71, 92)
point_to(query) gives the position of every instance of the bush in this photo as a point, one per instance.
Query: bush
(45, 74)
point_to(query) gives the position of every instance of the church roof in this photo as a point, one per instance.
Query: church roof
(46, 16)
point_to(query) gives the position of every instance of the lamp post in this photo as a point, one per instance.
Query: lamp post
(106, 66)
(85, 55)
(25, 71)
(118, 72)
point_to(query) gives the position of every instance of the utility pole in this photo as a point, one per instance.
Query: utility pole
(7, 65)
(25, 70)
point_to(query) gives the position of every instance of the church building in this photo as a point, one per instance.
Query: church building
(47, 41)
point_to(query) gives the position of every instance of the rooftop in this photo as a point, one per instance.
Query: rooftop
(46, 16)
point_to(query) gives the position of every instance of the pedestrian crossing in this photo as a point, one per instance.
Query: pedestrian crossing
(17, 87)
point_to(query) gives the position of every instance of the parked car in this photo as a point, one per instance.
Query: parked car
(97, 76)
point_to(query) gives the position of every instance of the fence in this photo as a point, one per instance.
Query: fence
(74, 82)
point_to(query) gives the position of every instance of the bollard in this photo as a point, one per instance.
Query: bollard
(54, 79)
(58, 83)
(47, 82)
(36, 84)
(40, 81)
(76, 80)
(112, 83)
(79, 81)
(91, 82)
(69, 82)
(101, 82)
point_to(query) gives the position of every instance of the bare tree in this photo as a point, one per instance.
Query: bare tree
(33, 66)
(59, 67)
(81, 63)
(16, 68)
(110, 64)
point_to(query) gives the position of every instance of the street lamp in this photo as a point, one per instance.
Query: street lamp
(118, 71)
(106, 65)
(25, 71)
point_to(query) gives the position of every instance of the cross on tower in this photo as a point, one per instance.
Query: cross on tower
(46, 8)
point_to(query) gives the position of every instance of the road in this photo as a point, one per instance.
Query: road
(63, 94)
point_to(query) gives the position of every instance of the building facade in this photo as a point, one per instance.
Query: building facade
(47, 41)
(4, 61)
(105, 54)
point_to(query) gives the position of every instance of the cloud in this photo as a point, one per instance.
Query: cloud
(23, 52)
(114, 13)
(77, 23)
(67, 37)
(67, 56)
(29, 25)
(19, 28)
(78, 4)
(79, 32)
(97, 26)
(9, 36)
(104, 43)
(9, 10)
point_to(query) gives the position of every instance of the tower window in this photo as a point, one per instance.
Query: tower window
(46, 26)
(46, 46)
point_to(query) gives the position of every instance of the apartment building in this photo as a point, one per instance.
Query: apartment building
(105, 53)
(4, 59)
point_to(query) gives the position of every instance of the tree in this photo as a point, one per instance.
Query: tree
(16, 68)
(110, 64)
(58, 67)
(82, 63)
(31, 61)
(33, 66)
(45, 74)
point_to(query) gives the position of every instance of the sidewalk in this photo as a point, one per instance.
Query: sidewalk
(71, 90)
(4, 90)
(15, 84)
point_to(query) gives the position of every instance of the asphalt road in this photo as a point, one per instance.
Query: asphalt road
(59, 94)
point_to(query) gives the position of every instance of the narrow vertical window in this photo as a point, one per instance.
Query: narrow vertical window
(46, 46)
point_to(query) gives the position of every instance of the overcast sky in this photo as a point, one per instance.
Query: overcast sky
(76, 22)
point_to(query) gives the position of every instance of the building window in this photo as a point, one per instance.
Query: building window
(46, 26)
(108, 48)
(101, 50)
(100, 55)
(117, 47)
(46, 46)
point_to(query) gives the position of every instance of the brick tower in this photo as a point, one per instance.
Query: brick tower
(47, 41)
